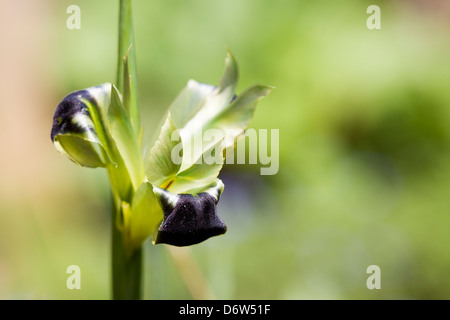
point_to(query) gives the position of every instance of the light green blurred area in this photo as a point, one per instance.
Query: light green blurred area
(364, 170)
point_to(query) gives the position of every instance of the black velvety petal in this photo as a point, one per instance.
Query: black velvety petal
(190, 220)
(74, 130)
(67, 110)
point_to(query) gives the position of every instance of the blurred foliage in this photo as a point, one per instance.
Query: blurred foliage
(364, 149)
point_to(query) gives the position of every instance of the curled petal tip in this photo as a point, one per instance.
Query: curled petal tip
(74, 130)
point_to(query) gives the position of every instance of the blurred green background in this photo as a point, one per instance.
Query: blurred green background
(364, 176)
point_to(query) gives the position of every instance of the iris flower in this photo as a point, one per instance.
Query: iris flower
(172, 200)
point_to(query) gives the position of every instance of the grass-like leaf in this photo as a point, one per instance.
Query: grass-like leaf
(125, 138)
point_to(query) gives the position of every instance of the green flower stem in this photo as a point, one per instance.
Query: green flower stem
(126, 265)
(126, 262)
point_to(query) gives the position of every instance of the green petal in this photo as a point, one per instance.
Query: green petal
(213, 105)
(164, 172)
(231, 74)
(207, 98)
(200, 112)
(189, 101)
(160, 166)
(199, 175)
(83, 152)
(235, 119)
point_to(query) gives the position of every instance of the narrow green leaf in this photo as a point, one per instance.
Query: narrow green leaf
(127, 52)
(125, 138)
(126, 82)
(129, 92)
